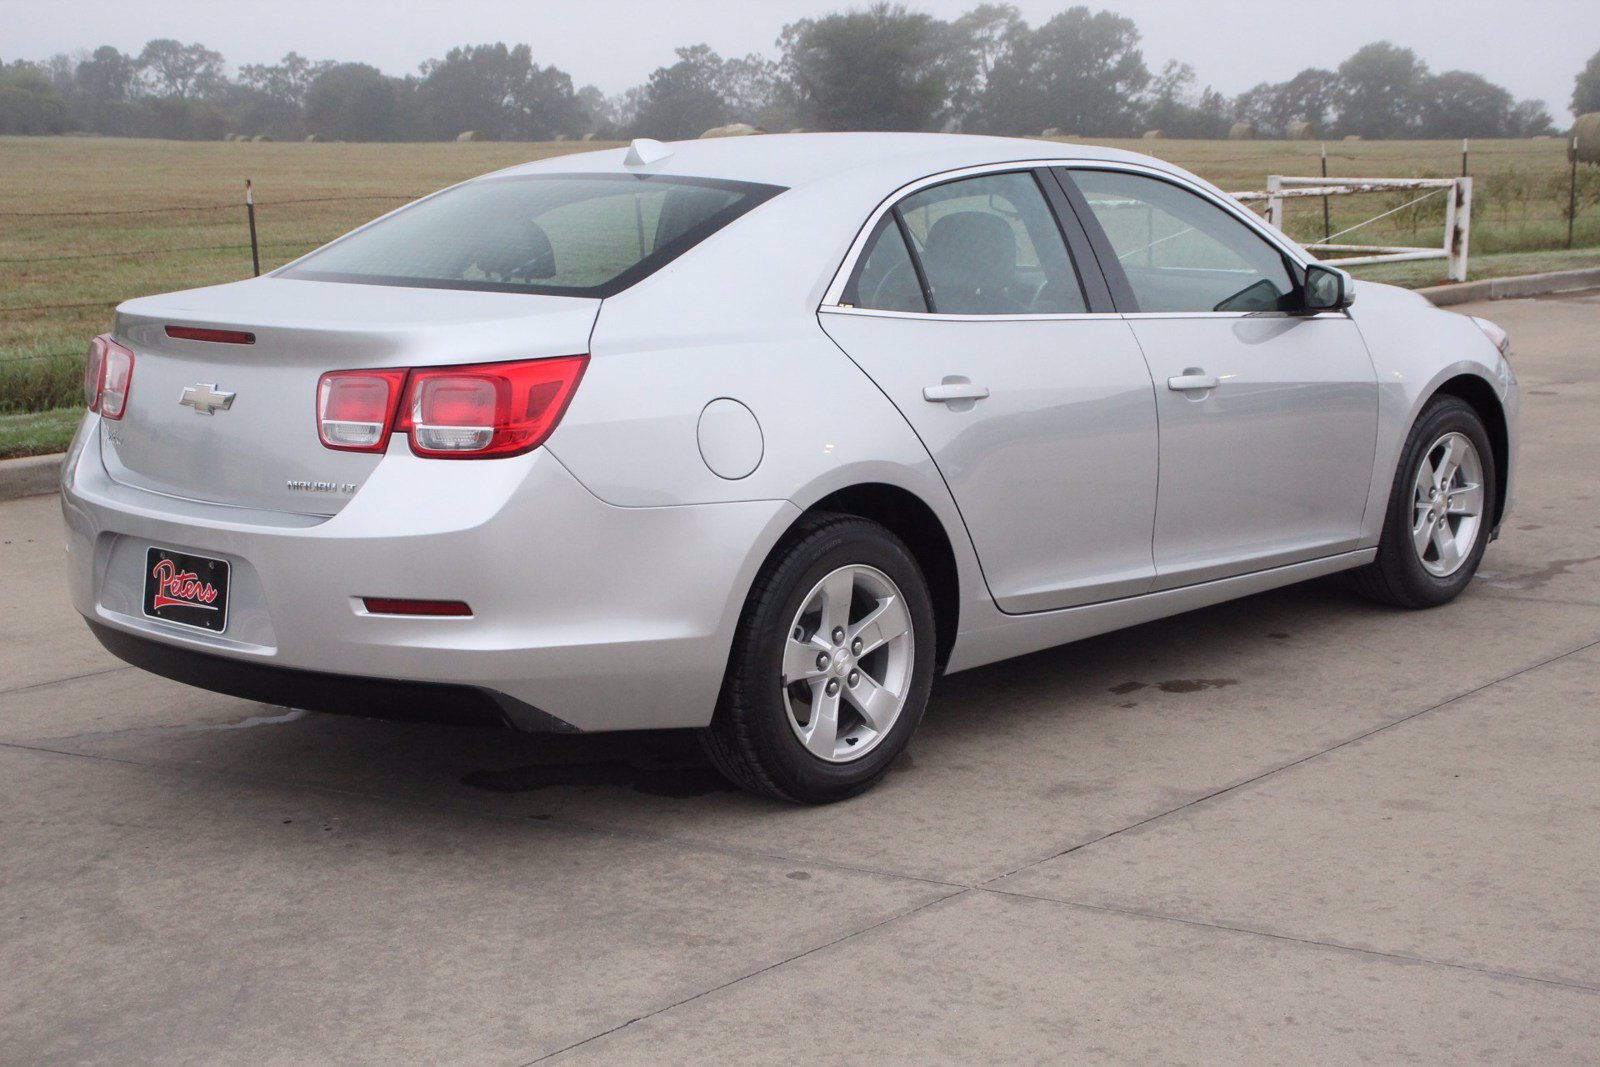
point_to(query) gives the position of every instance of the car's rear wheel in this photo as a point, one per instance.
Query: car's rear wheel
(831, 666)
(1440, 510)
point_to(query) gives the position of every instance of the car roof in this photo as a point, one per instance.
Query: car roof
(797, 159)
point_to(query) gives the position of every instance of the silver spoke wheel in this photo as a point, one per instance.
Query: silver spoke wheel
(1447, 504)
(847, 663)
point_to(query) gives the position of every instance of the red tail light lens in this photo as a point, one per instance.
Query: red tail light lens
(470, 412)
(93, 367)
(356, 408)
(221, 337)
(488, 409)
(383, 605)
(107, 377)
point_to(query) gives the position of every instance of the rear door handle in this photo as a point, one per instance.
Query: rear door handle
(954, 390)
(1192, 378)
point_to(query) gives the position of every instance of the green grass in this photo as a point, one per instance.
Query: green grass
(62, 274)
(38, 433)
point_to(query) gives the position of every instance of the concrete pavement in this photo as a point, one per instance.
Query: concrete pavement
(1296, 828)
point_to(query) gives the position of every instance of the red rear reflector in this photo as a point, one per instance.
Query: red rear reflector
(355, 408)
(382, 605)
(224, 337)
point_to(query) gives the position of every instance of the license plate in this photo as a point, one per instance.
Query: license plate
(190, 590)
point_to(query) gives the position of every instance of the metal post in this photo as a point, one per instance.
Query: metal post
(1275, 203)
(1572, 191)
(250, 212)
(1458, 228)
(1463, 157)
(1327, 222)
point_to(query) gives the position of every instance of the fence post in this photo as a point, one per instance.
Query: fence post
(1463, 157)
(1458, 228)
(1327, 221)
(250, 213)
(1275, 203)
(1572, 190)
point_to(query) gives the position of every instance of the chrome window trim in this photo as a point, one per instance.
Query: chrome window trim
(841, 277)
(849, 309)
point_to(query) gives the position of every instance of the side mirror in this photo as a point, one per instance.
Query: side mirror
(1327, 288)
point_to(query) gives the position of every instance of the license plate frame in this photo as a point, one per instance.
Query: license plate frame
(186, 589)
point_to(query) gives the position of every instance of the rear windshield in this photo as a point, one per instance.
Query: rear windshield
(568, 235)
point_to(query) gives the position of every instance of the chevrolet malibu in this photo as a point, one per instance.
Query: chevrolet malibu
(756, 436)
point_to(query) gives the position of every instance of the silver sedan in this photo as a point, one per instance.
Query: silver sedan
(757, 436)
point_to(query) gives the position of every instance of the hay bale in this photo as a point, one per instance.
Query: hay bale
(562, 137)
(588, 136)
(315, 138)
(1155, 135)
(472, 135)
(260, 138)
(1301, 131)
(733, 129)
(1241, 131)
(798, 129)
(1352, 137)
(1050, 131)
(1586, 136)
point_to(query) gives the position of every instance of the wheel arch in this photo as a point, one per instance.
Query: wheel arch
(911, 519)
(1481, 395)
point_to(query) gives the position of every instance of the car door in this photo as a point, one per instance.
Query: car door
(1268, 415)
(966, 307)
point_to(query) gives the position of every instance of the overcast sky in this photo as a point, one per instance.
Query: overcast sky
(1532, 47)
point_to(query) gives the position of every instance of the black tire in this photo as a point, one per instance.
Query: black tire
(1397, 576)
(750, 739)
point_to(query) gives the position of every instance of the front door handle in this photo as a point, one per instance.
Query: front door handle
(1193, 378)
(954, 389)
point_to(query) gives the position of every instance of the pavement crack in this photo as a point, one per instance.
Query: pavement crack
(1235, 786)
(1211, 924)
(749, 975)
(63, 681)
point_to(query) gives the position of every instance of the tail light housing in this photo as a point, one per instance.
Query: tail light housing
(478, 411)
(355, 409)
(107, 377)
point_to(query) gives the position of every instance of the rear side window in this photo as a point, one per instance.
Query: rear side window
(886, 279)
(987, 245)
(569, 235)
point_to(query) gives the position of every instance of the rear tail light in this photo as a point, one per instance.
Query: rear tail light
(94, 366)
(107, 377)
(469, 412)
(356, 408)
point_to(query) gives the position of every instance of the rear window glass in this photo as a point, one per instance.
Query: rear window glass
(570, 235)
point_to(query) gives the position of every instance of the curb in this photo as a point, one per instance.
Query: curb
(1561, 281)
(31, 476)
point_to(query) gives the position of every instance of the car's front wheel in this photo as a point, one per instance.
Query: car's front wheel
(1440, 510)
(831, 665)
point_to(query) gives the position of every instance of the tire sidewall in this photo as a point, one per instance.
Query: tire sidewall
(798, 771)
(1443, 415)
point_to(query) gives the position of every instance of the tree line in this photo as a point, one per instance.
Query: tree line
(882, 68)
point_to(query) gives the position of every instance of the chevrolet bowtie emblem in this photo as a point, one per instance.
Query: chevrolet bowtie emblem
(206, 399)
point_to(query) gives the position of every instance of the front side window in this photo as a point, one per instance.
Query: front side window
(985, 246)
(569, 235)
(1181, 252)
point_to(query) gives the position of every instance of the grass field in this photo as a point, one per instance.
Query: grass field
(86, 222)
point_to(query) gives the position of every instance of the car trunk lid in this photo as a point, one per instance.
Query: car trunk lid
(261, 449)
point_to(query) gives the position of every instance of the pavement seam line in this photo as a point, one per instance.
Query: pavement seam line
(1209, 924)
(681, 843)
(752, 974)
(1253, 779)
(63, 681)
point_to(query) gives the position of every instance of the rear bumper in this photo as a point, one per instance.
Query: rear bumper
(343, 694)
(604, 618)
